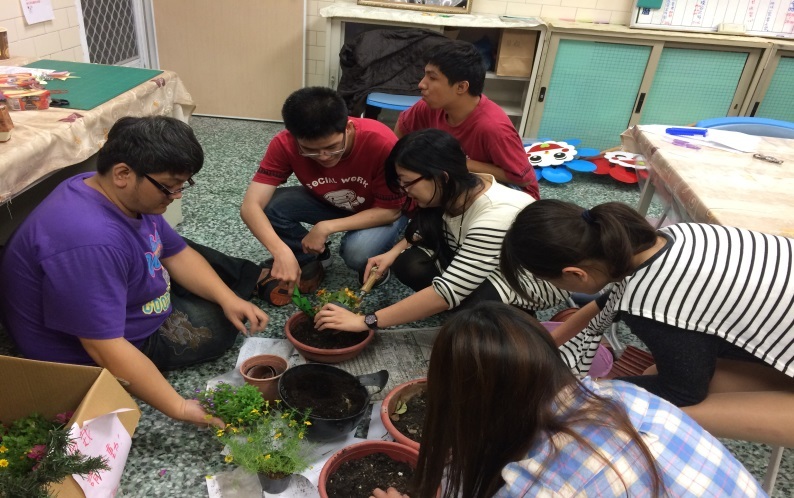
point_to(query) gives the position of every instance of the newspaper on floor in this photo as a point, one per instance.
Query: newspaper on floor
(404, 353)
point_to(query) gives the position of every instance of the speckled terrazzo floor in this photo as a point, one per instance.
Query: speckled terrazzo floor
(170, 459)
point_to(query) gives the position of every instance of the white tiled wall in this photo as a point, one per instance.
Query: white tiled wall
(57, 39)
(600, 11)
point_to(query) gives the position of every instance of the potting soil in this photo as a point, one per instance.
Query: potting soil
(305, 333)
(329, 395)
(357, 478)
(411, 422)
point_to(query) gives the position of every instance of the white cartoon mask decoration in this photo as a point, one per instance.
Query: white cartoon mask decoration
(549, 153)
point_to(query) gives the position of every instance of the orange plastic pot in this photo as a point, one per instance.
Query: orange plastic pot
(323, 355)
(401, 393)
(396, 451)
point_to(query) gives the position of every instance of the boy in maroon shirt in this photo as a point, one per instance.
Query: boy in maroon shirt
(339, 163)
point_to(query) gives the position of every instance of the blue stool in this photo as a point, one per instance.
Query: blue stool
(394, 102)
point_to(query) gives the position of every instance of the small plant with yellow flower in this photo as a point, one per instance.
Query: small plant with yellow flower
(275, 445)
(343, 297)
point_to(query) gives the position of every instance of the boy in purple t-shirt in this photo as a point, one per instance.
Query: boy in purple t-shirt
(452, 101)
(339, 162)
(96, 276)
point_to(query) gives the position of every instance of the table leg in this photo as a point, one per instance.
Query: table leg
(645, 197)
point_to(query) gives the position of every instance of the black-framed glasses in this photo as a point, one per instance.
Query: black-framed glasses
(405, 186)
(162, 188)
(329, 153)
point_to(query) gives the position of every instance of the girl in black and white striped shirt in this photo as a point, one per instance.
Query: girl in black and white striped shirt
(713, 304)
(450, 254)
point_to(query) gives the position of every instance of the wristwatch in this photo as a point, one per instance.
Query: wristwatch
(371, 320)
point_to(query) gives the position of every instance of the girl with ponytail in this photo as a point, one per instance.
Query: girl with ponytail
(713, 304)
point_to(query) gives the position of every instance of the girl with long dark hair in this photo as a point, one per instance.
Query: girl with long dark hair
(507, 418)
(450, 253)
(713, 304)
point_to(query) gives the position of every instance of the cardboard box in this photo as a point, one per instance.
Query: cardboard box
(516, 52)
(28, 386)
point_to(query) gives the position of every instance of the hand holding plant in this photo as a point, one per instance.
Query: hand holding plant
(344, 297)
(237, 405)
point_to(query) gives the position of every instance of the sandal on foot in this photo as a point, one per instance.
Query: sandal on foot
(312, 275)
(272, 291)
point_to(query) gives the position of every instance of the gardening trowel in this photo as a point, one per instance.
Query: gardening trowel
(374, 275)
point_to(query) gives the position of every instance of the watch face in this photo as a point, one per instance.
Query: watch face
(371, 320)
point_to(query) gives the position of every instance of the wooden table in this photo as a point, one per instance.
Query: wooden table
(50, 145)
(720, 187)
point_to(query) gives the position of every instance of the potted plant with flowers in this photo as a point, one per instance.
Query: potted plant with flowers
(237, 405)
(36, 452)
(274, 447)
(325, 346)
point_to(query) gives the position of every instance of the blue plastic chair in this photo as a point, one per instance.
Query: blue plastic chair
(394, 102)
(762, 127)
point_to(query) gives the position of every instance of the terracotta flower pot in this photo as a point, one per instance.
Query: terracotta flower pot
(563, 315)
(263, 372)
(396, 451)
(323, 355)
(401, 393)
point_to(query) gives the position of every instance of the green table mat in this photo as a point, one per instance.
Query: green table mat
(95, 83)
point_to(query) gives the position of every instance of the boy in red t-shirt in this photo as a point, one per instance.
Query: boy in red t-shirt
(339, 162)
(452, 101)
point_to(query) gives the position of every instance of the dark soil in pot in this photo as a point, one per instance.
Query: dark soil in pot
(357, 478)
(411, 422)
(328, 394)
(305, 333)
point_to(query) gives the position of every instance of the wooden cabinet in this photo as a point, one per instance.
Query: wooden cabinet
(593, 87)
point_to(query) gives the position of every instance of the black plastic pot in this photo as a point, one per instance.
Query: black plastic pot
(317, 376)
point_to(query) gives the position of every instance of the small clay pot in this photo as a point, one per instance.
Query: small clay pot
(264, 372)
(403, 392)
(323, 355)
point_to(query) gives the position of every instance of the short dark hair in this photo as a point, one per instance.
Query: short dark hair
(151, 144)
(314, 112)
(459, 61)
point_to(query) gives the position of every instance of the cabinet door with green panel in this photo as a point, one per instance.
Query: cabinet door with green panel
(691, 84)
(774, 98)
(593, 88)
(590, 90)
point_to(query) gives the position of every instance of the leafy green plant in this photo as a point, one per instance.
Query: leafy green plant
(274, 445)
(238, 405)
(35, 452)
(344, 297)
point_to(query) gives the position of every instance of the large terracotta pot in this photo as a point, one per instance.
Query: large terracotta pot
(396, 451)
(264, 372)
(323, 355)
(401, 393)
